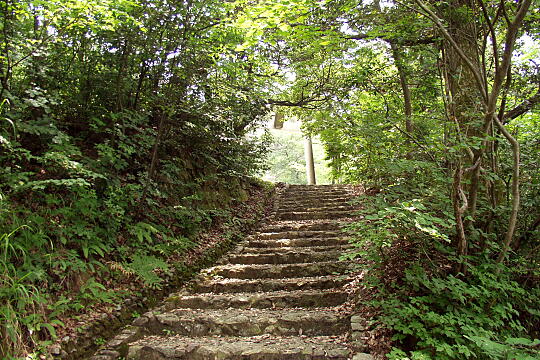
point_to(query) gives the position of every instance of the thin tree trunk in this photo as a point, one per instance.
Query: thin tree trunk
(398, 60)
(154, 158)
(515, 191)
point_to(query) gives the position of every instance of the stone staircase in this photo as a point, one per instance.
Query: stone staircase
(279, 295)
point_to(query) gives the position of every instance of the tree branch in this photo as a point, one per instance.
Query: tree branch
(522, 108)
(405, 42)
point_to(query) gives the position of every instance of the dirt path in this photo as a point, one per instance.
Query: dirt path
(279, 295)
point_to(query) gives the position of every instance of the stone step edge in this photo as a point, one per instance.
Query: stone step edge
(281, 299)
(198, 286)
(274, 347)
(118, 347)
(277, 250)
(300, 243)
(208, 271)
(329, 255)
(246, 322)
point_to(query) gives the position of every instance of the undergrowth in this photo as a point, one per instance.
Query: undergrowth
(63, 263)
(488, 310)
(83, 224)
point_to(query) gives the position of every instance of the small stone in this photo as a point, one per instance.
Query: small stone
(363, 356)
(56, 350)
(141, 321)
(111, 353)
(66, 339)
(357, 327)
(115, 343)
(356, 319)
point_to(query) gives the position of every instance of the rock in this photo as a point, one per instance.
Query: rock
(363, 356)
(55, 350)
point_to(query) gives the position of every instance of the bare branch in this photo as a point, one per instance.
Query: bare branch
(416, 142)
(491, 32)
(522, 108)
(405, 42)
(515, 189)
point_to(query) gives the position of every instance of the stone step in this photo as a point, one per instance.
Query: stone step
(321, 186)
(337, 200)
(299, 234)
(290, 257)
(298, 242)
(318, 188)
(233, 348)
(266, 285)
(266, 300)
(279, 250)
(250, 322)
(316, 207)
(301, 199)
(315, 215)
(316, 195)
(282, 225)
(279, 271)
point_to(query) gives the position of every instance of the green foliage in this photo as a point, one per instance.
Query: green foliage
(19, 301)
(123, 125)
(144, 266)
(286, 159)
(456, 318)
(486, 313)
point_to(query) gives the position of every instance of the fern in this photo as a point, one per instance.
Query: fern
(144, 267)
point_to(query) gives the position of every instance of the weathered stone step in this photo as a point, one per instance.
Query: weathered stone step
(298, 242)
(315, 215)
(267, 300)
(250, 322)
(299, 200)
(321, 186)
(293, 204)
(265, 285)
(317, 195)
(299, 234)
(316, 207)
(291, 257)
(279, 271)
(302, 226)
(233, 348)
(261, 250)
(318, 188)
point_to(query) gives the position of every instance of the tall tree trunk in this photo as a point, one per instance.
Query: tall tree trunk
(466, 106)
(471, 95)
(398, 60)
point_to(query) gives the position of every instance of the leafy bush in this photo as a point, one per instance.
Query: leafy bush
(448, 317)
(486, 313)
